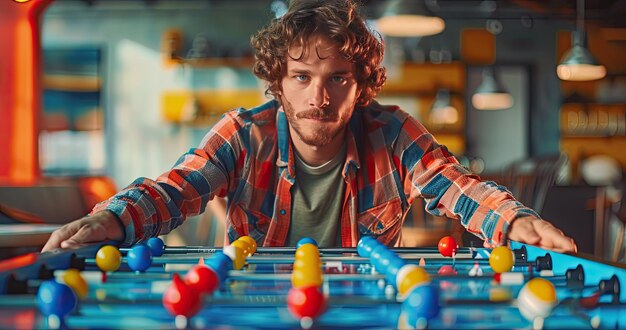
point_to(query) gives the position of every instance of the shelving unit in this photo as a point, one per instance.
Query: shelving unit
(589, 129)
(71, 137)
(588, 124)
(415, 89)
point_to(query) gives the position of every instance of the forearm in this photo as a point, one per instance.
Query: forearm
(493, 211)
(483, 208)
(149, 208)
(431, 172)
(142, 209)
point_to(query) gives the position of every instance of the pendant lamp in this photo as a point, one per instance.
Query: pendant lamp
(409, 18)
(491, 94)
(442, 111)
(577, 63)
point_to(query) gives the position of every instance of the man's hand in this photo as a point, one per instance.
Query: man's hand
(99, 227)
(541, 233)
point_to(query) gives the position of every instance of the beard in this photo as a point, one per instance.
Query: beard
(322, 134)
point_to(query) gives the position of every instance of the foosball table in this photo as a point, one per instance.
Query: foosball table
(152, 286)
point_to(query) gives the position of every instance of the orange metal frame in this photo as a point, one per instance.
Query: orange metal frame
(20, 90)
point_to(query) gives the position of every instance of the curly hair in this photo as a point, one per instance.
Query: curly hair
(338, 20)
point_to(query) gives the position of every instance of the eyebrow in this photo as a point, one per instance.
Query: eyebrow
(307, 72)
(343, 72)
(299, 71)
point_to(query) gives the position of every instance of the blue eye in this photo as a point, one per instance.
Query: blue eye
(301, 77)
(338, 79)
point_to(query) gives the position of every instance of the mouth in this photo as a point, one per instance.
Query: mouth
(320, 119)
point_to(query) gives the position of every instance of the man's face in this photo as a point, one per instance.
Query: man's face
(319, 92)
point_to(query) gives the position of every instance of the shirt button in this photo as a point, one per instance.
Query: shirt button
(283, 212)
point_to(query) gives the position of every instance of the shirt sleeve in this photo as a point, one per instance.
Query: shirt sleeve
(430, 171)
(152, 207)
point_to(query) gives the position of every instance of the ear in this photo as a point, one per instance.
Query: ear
(359, 92)
(279, 92)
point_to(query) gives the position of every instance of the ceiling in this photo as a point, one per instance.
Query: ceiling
(602, 13)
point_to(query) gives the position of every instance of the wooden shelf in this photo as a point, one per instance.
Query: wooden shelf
(201, 107)
(72, 83)
(420, 78)
(594, 104)
(233, 62)
(590, 136)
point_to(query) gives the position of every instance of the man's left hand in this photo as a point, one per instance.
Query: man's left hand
(541, 233)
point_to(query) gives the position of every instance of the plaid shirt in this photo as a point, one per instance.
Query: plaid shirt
(248, 157)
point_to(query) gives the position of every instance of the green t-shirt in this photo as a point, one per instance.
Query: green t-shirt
(317, 196)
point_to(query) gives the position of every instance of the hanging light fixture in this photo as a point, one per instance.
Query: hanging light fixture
(491, 94)
(279, 8)
(578, 64)
(442, 111)
(409, 18)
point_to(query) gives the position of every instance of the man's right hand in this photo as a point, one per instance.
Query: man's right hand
(99, 227)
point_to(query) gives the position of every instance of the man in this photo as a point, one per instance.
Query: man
(322, 159)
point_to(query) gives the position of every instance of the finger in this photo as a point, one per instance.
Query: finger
(59, 236)
(72, 245)
(54, 241)
(557, 241)
(86, 234)
(557, 249)
(554, 239)
(548, 244)
(552, 248)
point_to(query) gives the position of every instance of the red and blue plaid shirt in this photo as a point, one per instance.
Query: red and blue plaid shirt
(248, 157)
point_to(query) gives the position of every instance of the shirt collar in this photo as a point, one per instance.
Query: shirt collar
(285, 148)
(286, 156)
(355, 129)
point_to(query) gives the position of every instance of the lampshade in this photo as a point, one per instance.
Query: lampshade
(577, 63)
(279, 8)
(442, 111)
(408, 18)
(491, 94)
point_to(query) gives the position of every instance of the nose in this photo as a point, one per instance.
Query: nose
(319, 97)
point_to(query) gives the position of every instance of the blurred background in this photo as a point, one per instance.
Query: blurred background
(530, 94)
